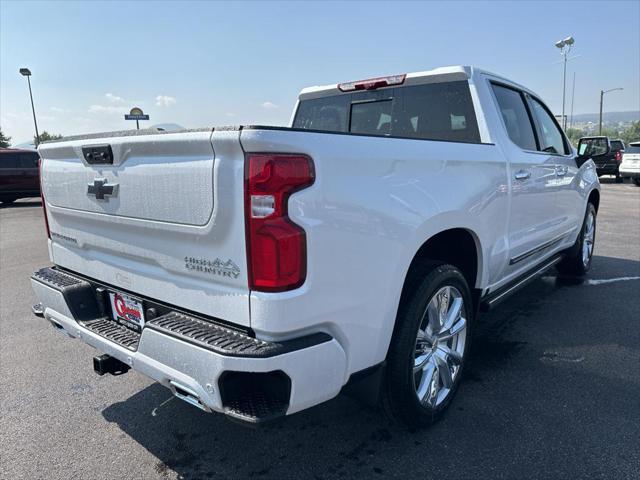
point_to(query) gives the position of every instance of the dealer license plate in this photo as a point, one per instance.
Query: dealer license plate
(127, 310)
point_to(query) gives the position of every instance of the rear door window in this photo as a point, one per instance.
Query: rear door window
(436, 111)
(515, 116)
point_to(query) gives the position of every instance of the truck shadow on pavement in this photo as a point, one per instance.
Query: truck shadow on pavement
(521, 400)
(30, 203)
(610, 180)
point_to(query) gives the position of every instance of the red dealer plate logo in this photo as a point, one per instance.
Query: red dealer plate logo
(126, 310)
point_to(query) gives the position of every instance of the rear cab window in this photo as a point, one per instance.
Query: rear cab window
(328, 114)
(433, 111)
(632, 149)
(9, 160)
(28, 160)
(617, 145)
(18, 159)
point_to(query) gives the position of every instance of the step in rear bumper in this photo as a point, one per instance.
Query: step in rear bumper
(316, 367)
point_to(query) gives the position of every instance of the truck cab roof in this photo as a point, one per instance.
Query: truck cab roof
(440, 74)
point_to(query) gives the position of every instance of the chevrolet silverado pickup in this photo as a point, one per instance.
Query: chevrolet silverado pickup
(258, 271)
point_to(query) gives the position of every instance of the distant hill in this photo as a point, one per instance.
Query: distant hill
(608, 117)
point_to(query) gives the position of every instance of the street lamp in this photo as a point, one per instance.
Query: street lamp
(25, 72)
(565, 47)
(602, 92)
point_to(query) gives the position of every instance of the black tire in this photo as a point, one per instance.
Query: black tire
(399, 392)
(619, 179)
(637, 182)
(573, 262)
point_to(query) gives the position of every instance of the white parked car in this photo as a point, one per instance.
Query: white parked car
(630, 166)
(257, 271)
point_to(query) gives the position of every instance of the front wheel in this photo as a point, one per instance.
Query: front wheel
(429, 345)
(577, 260)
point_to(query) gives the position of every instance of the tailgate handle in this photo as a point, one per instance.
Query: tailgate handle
(98, 154)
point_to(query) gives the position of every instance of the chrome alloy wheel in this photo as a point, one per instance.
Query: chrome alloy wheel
(589, 238)
(439, 346)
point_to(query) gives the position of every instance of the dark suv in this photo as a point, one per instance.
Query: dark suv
(19, 176)
(606, 154)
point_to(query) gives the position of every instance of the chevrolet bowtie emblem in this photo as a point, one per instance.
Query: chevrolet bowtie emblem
(100, 188)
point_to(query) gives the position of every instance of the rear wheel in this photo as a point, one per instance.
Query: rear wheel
(577, 260)
(429, 346)
(619, 179)
(637, 182)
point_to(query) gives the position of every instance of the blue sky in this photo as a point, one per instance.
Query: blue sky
(216, 63)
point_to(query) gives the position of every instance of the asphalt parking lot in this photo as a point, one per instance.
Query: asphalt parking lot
(552, 391)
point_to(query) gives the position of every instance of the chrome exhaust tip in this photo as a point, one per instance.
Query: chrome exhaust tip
(38, 309)
(187, 395)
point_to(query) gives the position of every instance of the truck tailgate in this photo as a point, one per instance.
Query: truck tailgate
(164, 218)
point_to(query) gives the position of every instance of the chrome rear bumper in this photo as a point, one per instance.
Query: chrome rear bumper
(209, 365)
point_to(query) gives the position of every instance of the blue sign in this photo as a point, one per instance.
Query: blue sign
(128, 116)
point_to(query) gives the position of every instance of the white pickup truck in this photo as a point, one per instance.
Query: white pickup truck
(258, 271)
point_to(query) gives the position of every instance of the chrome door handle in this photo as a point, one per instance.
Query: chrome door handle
(561, 170)
(522, 175)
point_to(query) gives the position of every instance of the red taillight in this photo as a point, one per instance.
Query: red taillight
(44, 207)
(276, 247)
(618, 156)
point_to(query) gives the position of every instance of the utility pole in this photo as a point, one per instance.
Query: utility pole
(564, 81)
(573, 95)
(602, 92)
(600, 121)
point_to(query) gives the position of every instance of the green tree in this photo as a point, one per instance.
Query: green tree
(46, 136)
(5, 141)
(574, 135)
(631, 134)
(612, 133)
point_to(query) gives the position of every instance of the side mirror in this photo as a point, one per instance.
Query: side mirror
(582, 159)
(594, 150)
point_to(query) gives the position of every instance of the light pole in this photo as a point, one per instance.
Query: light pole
(573, 96)
(602, 92)
(25, 72)
(565, 47)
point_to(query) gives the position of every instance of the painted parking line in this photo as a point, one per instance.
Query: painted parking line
(610, 280)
